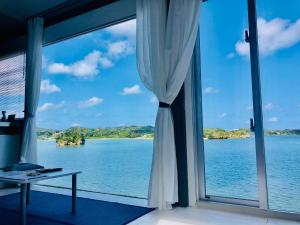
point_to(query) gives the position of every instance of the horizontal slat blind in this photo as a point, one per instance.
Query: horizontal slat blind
(12, 85)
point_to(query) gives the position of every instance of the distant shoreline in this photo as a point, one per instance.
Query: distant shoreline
(206, 139)
(77, 135)
(136, 138)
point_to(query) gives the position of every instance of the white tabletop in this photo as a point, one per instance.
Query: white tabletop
(21, 177)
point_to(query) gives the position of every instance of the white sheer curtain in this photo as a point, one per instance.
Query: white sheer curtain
(191, 95)
(165, 42)
(32, 88)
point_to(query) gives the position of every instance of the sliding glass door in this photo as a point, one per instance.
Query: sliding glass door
(250, 53)
(229, 145)
(279, 43)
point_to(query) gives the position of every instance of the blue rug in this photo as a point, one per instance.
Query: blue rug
(55, 209)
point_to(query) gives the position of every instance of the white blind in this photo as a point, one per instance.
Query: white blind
(12, 85)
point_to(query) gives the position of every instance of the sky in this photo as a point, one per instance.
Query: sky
(92, 80)
(225, 62)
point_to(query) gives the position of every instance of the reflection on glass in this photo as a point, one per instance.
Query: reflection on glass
(230, 158)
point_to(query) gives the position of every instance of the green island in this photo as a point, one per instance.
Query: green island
(284, 132)
(216, 133)
(78, 135)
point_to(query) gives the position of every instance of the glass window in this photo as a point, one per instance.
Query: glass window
(229, 146)
(94, 113)
(279, 45)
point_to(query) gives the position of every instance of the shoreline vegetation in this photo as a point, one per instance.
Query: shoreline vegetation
(78, 135)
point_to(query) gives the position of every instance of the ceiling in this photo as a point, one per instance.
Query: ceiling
(14, 14)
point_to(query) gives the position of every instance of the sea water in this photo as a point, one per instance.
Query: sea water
(122, 166)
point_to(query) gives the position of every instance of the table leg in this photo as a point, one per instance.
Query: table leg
(23, 204)
(74, 194)
(28, 194)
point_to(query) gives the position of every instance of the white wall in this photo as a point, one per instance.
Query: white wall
(9, 150)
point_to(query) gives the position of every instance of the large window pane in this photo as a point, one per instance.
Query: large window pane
(279, 43)
(91, 90)
(229, 146)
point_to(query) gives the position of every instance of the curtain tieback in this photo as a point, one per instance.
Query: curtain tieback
(164, 105)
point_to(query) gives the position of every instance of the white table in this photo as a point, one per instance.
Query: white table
(21, 178)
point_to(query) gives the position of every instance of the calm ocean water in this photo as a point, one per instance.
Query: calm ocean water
(123, 167)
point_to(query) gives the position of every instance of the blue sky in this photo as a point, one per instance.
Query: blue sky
(92, 80)
(227, 100)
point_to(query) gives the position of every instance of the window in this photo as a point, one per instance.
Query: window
(94, 113)
(252, 162)
(279, 42)
(12, 85)
(229, 147)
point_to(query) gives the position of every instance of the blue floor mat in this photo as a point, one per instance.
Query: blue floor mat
(55, 209)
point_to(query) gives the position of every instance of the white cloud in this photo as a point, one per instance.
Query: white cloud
(98, 115)
(242, 48)
(59, 68)
(75, 125)
(273, 35)
(119, 48)
(45, 62)
(91, 64)
(127, 29)
(211, 90)
(268, 106)
(153, 99)
(230, 55)
(87, 67)
(249, 107)
(134, 90)
(105, 62)
(49, 106)
(90, 102)
(47, 87)
(277, 34)
(222, 115)
(273, 119)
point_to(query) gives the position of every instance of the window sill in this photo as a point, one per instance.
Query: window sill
(248, 210)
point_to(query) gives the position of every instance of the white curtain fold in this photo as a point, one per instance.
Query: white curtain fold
(192, 93)
(165, 41)
(32, 88)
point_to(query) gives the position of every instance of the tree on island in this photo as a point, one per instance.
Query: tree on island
(216, 133)
(72, 136)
